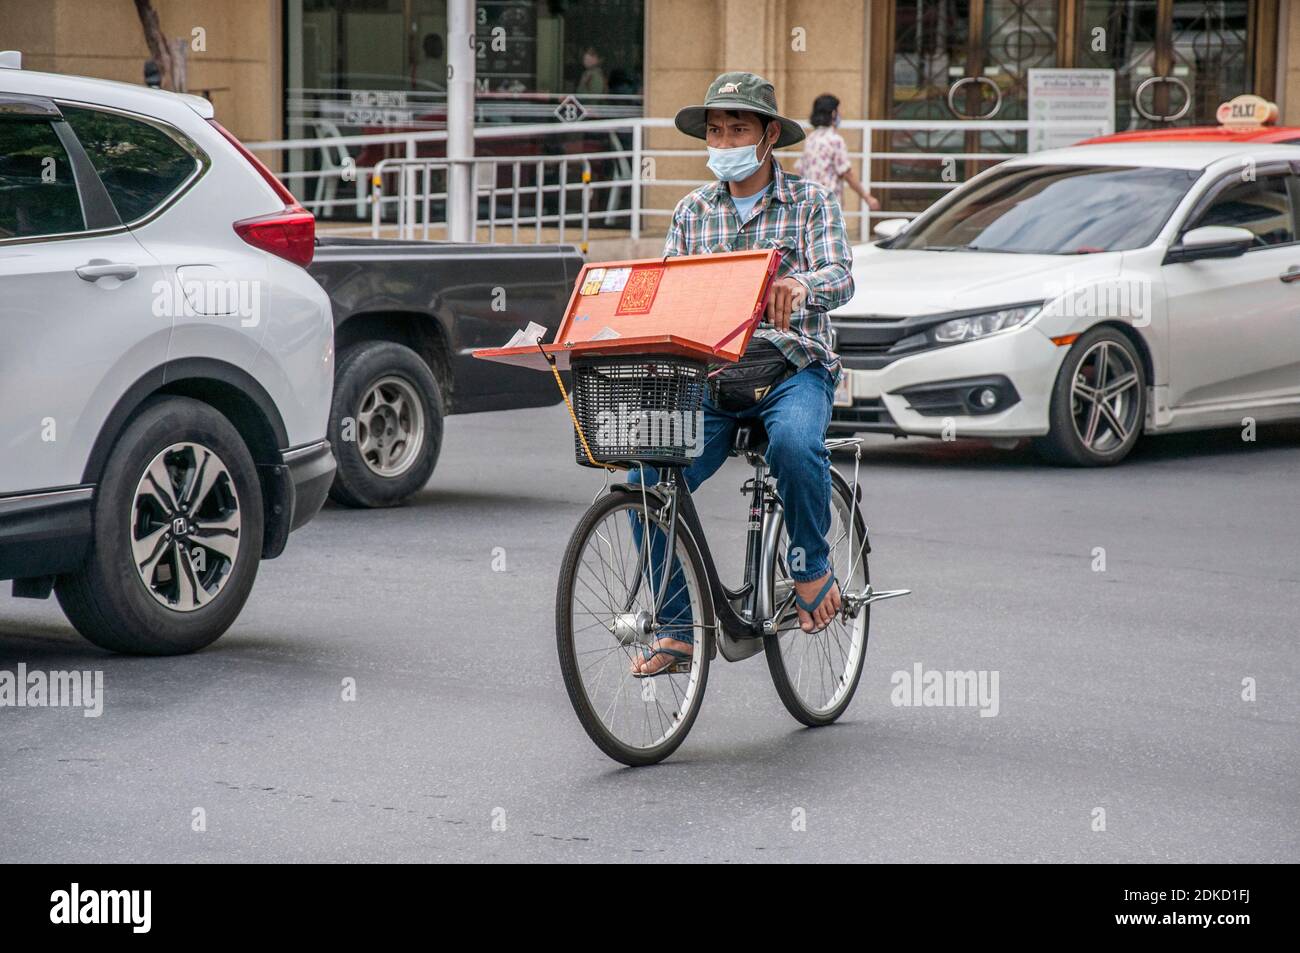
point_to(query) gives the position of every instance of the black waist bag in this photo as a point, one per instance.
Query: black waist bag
(739, 385)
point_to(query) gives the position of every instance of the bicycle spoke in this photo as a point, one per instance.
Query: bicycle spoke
(618, 572)
(820, 667)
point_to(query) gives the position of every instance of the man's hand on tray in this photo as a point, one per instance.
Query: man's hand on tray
(786, 296)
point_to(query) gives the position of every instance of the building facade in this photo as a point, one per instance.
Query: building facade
(304, 68)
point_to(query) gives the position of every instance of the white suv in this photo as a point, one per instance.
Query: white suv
(166, 361)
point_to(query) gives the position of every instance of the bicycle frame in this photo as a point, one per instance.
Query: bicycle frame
(672, 499)
(740, 633)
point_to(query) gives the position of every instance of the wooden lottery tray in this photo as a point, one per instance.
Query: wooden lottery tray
(704, 306)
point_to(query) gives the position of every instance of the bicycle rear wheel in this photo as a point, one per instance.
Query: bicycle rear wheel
(816, 675)
(604, 616)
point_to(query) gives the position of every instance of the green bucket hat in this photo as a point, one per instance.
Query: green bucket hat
(744, 91)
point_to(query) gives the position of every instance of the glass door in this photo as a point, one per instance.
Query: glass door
(930, 69)
(1210, 53)
(1015, 36)
(1126, 37)
(961, 60)
(1175, 61)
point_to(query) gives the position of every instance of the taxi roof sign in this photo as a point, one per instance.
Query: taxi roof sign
(1247, 112)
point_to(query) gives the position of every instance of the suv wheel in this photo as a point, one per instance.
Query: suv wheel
(385, 425)
(178, 534)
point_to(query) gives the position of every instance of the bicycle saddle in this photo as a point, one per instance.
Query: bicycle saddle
(750, 437)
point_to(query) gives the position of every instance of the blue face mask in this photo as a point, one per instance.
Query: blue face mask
(734, 165)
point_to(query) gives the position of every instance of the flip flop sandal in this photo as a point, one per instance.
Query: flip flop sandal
(678, 667)
(811, 607)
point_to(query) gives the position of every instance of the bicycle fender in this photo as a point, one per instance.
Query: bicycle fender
(837, 477)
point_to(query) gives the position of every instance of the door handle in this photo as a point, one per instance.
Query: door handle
(98, 268)
(952, 97)
(1152, 81)
(1290, 275)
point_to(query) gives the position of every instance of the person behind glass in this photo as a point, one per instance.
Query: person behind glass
(592, 81)
(825, 158)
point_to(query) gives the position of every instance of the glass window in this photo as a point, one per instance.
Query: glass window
(38, 194)
(368, 66)
(1054, 210)
(139, 164)
(379, 67)
(1262, 206)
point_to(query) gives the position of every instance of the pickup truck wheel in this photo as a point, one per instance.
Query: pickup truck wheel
(385, 425)
(178, 534)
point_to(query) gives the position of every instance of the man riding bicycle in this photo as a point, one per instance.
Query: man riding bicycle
(757, 205)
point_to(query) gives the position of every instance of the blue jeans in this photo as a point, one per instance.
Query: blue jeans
(796, 414)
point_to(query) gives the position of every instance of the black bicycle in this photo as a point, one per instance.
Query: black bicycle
(638, 567)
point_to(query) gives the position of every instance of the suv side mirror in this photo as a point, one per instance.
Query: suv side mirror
(1211, 241)
(889, 227)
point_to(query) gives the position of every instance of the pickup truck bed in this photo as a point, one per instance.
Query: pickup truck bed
(407, 316)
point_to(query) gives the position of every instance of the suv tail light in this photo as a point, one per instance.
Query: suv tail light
(290, 233)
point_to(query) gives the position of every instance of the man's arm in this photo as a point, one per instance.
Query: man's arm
(675, 242)
(830, 282)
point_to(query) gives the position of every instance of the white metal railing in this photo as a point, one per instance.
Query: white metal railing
(425, 107)
(402, 188)
(421, 189)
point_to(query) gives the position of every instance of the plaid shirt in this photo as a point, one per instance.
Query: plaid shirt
(804, 221)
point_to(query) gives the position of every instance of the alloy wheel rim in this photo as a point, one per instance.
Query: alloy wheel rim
(390, 427)
(1104, 398)
(185, 527)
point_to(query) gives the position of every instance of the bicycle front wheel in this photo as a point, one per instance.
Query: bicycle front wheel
(817, 674)
(605, 617)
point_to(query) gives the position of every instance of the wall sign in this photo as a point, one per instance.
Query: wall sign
(1066, 105)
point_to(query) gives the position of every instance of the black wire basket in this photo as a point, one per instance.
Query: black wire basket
(640, 408)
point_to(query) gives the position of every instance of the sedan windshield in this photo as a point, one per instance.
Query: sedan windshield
(1054, 210)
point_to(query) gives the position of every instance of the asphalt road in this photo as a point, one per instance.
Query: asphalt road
(1119, 690)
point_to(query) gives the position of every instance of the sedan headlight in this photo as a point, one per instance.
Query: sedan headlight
(981, 325)
(970, 327)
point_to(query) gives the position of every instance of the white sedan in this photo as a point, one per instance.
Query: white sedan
(1081, 297)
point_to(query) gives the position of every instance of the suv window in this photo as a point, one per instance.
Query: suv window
(38, 194)
(139, 164)
(1263, 206)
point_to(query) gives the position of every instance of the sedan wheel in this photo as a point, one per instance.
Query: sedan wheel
(1098, 404)
(1104, 398)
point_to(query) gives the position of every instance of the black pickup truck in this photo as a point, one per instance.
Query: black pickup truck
(407, 316)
